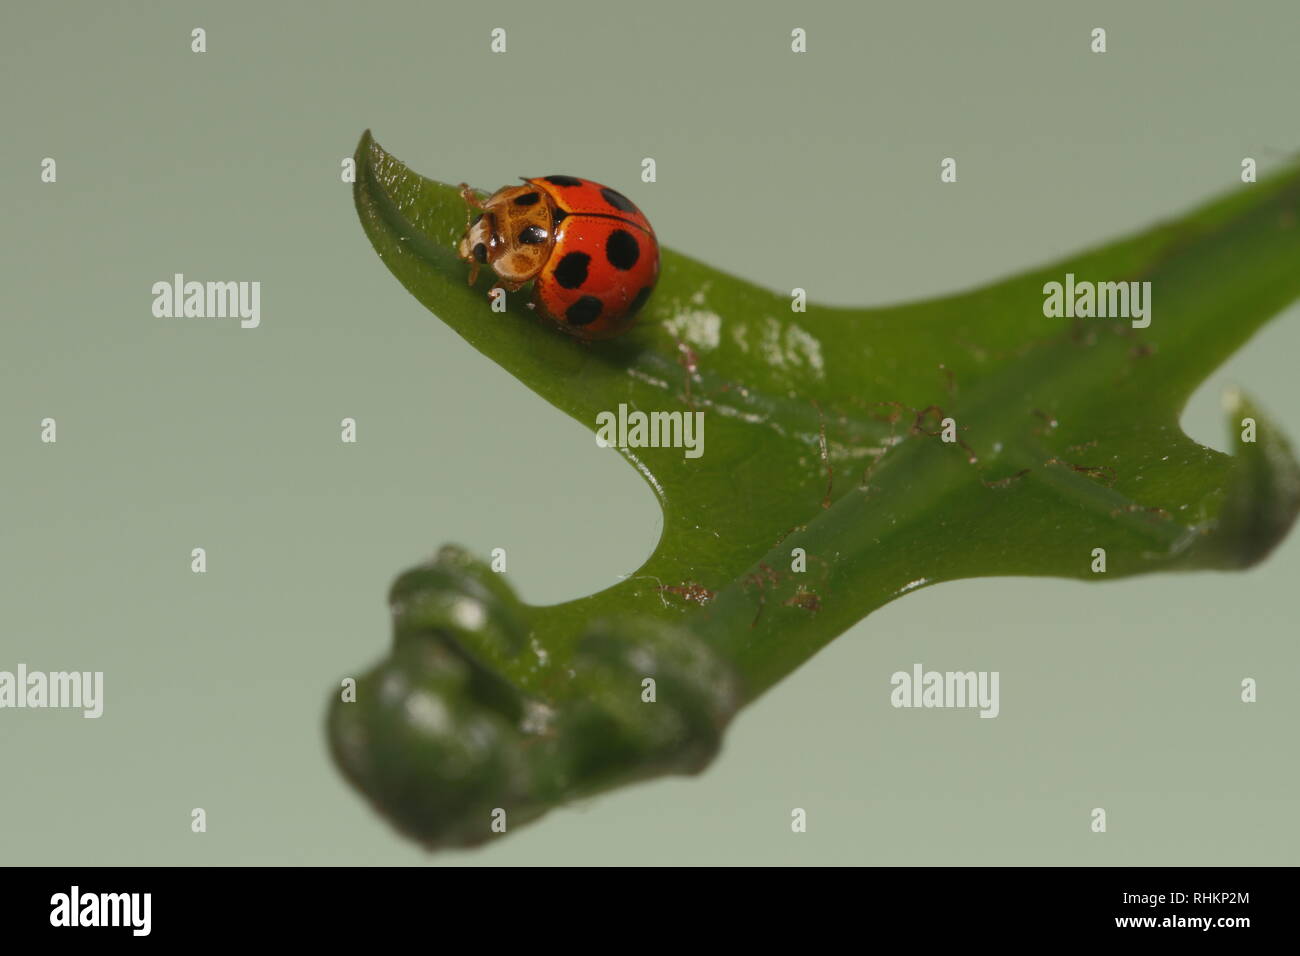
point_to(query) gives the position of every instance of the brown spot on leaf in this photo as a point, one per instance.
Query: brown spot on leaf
(690, 591)
(805, 599)
(1101, 472)
(1008, 481)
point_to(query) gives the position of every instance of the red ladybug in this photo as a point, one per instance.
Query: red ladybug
(591, 252)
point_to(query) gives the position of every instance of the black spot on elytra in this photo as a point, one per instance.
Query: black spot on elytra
(583, 312)
(527, 199)
(572, 270)
(480, 252)
(532, 236)
(622, 250)
(639, 301)
(557, 217)
(617, 200)
(564, 180)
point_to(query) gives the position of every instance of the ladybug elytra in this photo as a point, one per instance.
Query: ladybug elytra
(590, 253)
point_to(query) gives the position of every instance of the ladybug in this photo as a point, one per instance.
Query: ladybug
(590, 253)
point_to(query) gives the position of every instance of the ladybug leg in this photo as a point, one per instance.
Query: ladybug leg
(471, 200)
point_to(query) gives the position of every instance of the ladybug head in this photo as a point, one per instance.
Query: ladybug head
(513, 234)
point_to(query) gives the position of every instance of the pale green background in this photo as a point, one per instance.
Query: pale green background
(817, 171)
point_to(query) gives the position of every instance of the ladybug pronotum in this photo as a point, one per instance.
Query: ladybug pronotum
(591, 255)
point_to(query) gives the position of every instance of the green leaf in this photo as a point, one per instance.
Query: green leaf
(823, 432)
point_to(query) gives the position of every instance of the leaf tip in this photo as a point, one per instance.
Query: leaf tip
(1262, 497)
